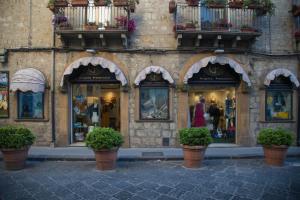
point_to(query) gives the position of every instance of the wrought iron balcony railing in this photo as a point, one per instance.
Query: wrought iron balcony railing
(207, 19)
(91, 18)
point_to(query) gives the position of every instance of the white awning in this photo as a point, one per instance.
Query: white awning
(155, 69)
(195, 68)
(104, 63)
(278, 72)
(29, 79)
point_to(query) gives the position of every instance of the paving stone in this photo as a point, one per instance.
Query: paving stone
(164, 189)
(123, 195)
(164, 197)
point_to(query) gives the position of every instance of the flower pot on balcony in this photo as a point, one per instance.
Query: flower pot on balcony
(172, 6)
(215, 5)
(249, 29)
(102, 2)
(61, 3)
(121, 3)
(178, 27)
(64, 26)
(235, 4)
(192, 2)
(91, 27)
(80, 3)
(132, 6)
(296, 10)
(190, 26)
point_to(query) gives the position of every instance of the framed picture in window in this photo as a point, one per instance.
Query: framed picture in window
(4, 94)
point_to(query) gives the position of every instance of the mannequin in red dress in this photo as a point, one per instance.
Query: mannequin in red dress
(199, 120)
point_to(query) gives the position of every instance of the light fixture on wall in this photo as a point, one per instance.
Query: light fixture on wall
(92, 51)
(219, 51)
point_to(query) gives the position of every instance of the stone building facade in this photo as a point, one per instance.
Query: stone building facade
(27, 34)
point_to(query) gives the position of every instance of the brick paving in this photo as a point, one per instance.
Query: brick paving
(238, 179)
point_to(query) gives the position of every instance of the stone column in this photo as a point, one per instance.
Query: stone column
(124, 112)
(182, 120)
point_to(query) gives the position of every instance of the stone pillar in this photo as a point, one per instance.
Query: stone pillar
(182, 120)
(124, 112)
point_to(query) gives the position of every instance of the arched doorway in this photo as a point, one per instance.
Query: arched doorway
(95, 89)
(217, 98)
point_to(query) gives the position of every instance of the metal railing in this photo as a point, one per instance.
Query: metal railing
(202, 18)
(91, 18)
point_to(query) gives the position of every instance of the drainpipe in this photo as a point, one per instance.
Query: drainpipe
(53, 84)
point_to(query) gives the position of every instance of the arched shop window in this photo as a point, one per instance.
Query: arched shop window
(279, 99)
(154, 98)
(30, 105)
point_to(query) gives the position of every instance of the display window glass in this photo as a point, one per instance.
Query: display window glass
(30, 105)
(4, 95)
(94, 105)
(215, 109)
(154, 103)
(279, 105)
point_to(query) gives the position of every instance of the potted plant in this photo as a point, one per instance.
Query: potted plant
(192, 2)
(105, 142)
(178, 27)
(247, 28)
(215, 3)
(172, 6)
(235, 4)
(124, 23)
(91, 26)
(251, 4)
(52, 4)
(14, 144)
(121, 3)
(102, 2)
(296, 10)
(132, 4)
(194, 143)
(79, 3)
(275, 144)
(266, 7)
(190, 26)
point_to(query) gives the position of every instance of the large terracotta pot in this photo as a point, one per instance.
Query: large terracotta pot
(106, 158)
(15, 159)
(193, 156)
(275, 155)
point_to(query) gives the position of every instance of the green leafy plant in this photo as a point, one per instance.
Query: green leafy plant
(277, 136)
(219, 2)
(107, 2)
(12, 137)
(104, 138)
(195, 136)
(263, 6)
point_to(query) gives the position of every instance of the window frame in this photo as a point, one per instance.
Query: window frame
(140, 101)
(30, 118)
(278, 89)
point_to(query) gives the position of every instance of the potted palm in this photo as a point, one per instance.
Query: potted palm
(105, 142)
(102, 2)
(14, 144)
(275, 144)
(194, 143)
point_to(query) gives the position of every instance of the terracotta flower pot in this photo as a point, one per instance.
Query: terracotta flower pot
(172, 6)
(79, 3)
(237, 5)
(106, 159)
(193, 156)
(120, 3)
(15, 159)
(275, 155)
(100, 3)
(192, 2)
(61, 3)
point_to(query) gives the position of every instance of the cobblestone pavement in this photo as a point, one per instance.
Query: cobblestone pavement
(160, 180)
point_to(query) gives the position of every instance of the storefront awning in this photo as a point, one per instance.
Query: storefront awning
(281, 72)
(95, 61)
(29, 79)
(195, 68)
(155, 69)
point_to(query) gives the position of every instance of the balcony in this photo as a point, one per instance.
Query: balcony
(296, 14)
(93, 26)
(213, 28)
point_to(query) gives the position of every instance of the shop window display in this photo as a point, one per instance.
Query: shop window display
(30, 105)
(216, 110)
(94, 105)
(4, 95)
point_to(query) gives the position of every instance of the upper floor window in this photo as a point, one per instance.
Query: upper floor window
(279, 100)
(154, 98)
(30, 105)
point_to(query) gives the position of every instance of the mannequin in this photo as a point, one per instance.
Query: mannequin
(199, 120)
(94, 112)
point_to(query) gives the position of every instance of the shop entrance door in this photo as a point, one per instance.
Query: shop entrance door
(95, 102)
(212, 101)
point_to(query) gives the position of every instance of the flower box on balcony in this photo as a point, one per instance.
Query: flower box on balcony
(120, 3)
(79, 3)
(235, 4)
(192, 2)
(64, 26)
(190, 26)
(178, 27)
(215, 3)
(91, 27)
(102, 2)
(172, 6)
(296, 10)
(248, 29)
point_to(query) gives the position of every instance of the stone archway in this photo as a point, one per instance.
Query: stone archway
(243, 98)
